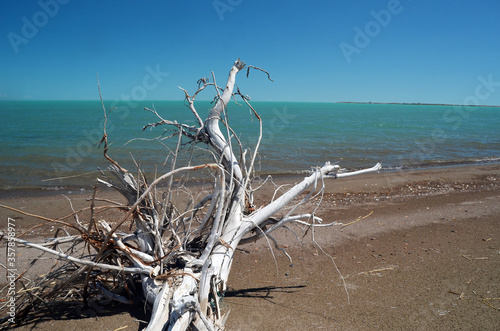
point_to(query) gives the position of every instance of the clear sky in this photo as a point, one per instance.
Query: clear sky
(381, 51)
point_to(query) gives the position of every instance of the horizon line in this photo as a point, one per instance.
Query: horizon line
(332, 102)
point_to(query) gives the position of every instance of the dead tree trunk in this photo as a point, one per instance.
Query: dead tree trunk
(184, 258)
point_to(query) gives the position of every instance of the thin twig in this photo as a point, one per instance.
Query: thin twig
(42, 218)
(360, 218)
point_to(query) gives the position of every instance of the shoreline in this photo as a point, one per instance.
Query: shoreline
(342, 197)
(283, 177)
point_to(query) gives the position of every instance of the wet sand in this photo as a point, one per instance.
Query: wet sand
(425, 257)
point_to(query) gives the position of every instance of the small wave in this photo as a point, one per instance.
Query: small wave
(442, 163)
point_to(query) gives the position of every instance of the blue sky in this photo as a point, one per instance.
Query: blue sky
(328, 51)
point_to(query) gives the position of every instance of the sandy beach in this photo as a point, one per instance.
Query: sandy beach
(418, 250)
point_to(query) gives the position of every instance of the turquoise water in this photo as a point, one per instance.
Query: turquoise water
(40, 140)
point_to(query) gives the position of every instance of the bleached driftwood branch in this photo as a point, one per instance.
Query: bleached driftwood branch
(184, 258)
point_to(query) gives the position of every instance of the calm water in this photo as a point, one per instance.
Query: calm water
(41, 140)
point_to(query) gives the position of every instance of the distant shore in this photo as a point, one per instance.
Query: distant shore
(415, 104)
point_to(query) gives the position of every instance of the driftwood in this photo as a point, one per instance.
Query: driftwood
(181, 259)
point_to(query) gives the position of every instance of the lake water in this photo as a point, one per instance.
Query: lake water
(42, 140)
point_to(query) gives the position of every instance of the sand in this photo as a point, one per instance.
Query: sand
(426, 257)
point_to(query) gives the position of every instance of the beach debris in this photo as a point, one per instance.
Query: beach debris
(377, 271)
(442, 312)
(461, 295)
(487, 301)
(172, 254)
(359, 218)
(469, 257)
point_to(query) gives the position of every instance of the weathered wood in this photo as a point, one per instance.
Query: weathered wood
(184, 266)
